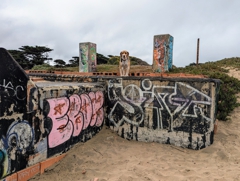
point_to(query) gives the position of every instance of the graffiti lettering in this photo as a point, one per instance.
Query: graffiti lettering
(12, 91)
(23, 175)
(62, 128)
(127, 106)
(162, 53)
(19, 139)
(132, 104)
(71, 115)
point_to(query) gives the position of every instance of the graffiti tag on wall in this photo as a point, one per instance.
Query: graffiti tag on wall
(171, 106)
(10, 90)
(162, 53)
(71, 115)
(10, 94)
(88, 57)
(83, 58)
(15, 147)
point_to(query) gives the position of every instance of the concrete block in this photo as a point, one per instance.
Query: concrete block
(50, 161)
(162, 53)
(87, 57)
(28, 172)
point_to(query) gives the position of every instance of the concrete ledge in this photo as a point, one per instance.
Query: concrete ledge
(49, 162)
(13, 177)
(28, 173)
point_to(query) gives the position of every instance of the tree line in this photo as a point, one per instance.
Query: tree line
(30, 56)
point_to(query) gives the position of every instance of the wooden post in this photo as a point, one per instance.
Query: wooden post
(197, 51)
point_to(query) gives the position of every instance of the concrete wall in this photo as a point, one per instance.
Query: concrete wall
(87, 57)
(64, 114)
(162, 52)
(39, 120)
(177, 111)
(16, 136)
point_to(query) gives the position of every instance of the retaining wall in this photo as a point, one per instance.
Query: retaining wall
(43, 114)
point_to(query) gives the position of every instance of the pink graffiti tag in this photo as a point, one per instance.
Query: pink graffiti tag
(97, 103)
(62, 128)
(86, 109)
(72, 115)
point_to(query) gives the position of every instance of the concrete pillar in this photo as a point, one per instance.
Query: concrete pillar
(87, 57)
(162, 52)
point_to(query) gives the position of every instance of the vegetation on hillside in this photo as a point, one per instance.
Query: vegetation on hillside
(29, 56)
(229, 87)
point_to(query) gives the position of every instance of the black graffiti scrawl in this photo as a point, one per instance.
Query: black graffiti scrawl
(155, 110)
(13, 85)
(16, 134)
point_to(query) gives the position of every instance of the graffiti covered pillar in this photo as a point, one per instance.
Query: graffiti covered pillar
(87, 57)
(162, 52)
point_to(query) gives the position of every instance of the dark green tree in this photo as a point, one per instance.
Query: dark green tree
(59, 63)
(74, 62)
(101, 59)
(36, 55)
(114, 60)
(29, 56)
(20, 58)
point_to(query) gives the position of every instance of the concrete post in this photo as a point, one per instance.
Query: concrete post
(197, 51)
(87, 57)
(162, 52)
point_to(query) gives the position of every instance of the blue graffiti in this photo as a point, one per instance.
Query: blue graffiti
(170, 52)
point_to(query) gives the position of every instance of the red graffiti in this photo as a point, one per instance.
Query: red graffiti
(58, 108)
(71, 115)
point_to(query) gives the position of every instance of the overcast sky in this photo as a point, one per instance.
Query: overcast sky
(116, 25)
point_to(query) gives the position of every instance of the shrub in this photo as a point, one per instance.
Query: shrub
(230, 86)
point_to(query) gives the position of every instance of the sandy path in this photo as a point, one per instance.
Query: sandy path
(109, 157)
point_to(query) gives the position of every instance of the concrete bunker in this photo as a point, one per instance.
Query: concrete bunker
(43, 114)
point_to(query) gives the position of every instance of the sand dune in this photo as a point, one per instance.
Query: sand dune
(109, 157)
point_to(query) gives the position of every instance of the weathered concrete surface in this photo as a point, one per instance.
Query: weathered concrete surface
(45, 116)
(15, 132)
(65, 113)
(87, 57)
(39, 120)
(162, 53)
(178, 111)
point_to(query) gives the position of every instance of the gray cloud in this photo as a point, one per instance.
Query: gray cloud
(124, 24)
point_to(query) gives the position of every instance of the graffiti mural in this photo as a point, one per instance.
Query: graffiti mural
(15, 147)
(38, 121)
(13, 89)
(162, 107)
(83, 58)
(70, 116)
(162, 53)
(16, 134)
(87, 57)
(93, 58)
(44, 118)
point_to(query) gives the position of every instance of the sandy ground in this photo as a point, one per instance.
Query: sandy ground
(109, 157)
